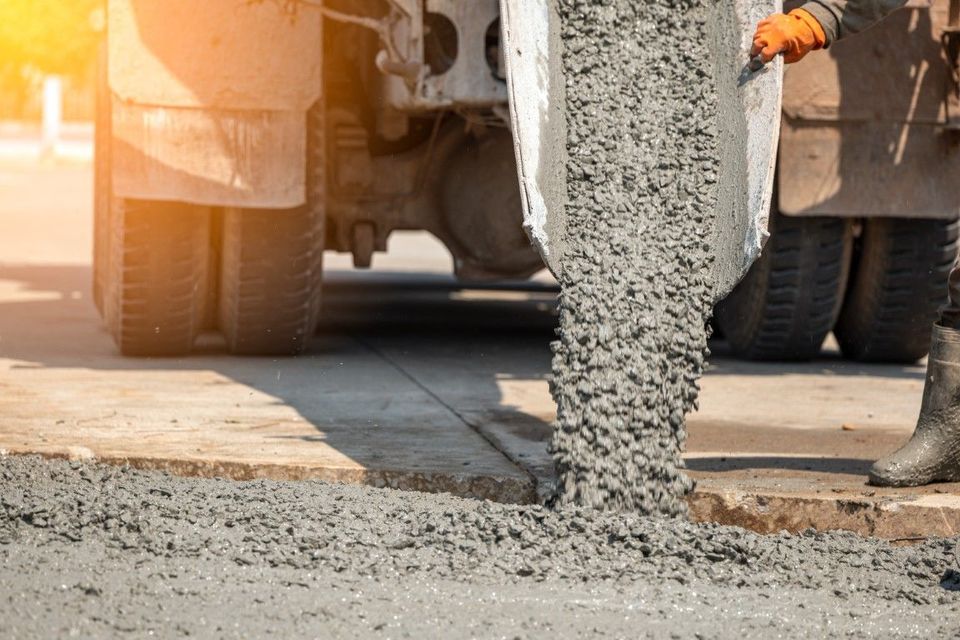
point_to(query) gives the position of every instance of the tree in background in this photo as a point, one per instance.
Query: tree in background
(40, 37)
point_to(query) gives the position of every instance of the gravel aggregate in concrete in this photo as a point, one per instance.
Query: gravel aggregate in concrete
(636, 288)
(95, 551)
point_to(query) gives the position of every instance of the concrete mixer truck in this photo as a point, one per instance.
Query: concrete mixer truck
(237, 140)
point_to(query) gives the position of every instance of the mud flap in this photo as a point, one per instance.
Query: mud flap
(210, 99)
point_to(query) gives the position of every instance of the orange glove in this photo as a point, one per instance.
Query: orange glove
(794, 35)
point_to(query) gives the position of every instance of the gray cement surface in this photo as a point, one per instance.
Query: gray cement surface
(97, 551)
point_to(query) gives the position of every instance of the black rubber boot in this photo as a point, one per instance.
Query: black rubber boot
(933, 453)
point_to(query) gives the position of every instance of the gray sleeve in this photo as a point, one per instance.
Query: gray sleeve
(841, 18)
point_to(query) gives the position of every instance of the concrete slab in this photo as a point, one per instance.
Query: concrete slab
(339, 413)
(802, 502)
(416, 382)
(44, 210)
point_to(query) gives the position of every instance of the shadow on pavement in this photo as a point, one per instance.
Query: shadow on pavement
(398, 358)
(830, 363)
(396, 363)
(851, 466)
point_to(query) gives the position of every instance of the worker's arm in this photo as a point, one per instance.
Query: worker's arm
(841, 18)
(816, 24)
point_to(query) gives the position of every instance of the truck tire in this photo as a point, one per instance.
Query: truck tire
(788, 301)
(156, 275)
(271, 268)
(899, 282)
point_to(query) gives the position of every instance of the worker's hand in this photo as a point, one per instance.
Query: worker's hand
(794, 34)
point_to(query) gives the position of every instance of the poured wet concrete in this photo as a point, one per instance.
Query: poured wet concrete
(97, 551)
(644, 149)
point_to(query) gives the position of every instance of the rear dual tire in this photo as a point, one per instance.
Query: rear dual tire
(157, 280)
(165, 271)
(899, 283)
(789, 300)
(798, 290)
(156, 276)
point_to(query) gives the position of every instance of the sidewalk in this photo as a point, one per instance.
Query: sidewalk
(21, 142)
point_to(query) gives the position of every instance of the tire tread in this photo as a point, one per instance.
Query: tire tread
(787, 303)
(271, 269)
(899, 285)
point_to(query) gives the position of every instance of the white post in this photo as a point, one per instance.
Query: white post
(52, 114)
